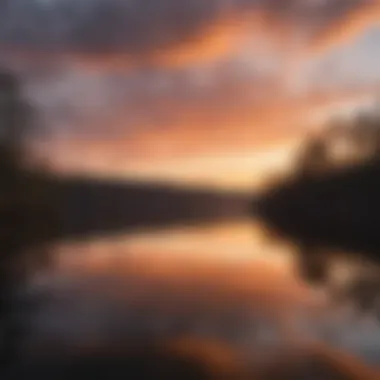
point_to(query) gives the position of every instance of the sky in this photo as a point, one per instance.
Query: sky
(191, 91)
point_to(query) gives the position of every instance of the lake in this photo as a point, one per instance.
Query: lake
(229, 281)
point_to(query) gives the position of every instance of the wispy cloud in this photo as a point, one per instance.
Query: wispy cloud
(118, 72)
(129, 31)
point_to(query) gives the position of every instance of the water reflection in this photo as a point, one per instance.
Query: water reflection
(222, 281)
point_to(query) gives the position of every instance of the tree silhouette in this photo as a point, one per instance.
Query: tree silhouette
(312, 160)
(340, 144)
(15, 114)
(23, 197)
(330, 201)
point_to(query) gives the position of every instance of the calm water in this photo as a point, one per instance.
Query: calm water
(228, 281)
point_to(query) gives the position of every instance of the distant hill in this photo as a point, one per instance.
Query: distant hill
(91, 206)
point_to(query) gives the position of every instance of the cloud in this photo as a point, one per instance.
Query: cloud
(163, 32)
(111, 31)
(348, 27)
(98, 26)
(45, 38)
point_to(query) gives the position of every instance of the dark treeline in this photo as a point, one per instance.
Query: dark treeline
(340, 210)
(66, 208)
(331, 201)
(93, 207)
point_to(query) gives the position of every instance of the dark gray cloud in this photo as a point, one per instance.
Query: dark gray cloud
(131, 26)
(138, 27)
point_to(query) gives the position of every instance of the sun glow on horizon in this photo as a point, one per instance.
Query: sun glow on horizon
(240, 170)
(220, 166)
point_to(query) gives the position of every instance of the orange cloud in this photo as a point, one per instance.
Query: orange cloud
(220, 37)
(224, 37)
(346, 29)
(217, 41)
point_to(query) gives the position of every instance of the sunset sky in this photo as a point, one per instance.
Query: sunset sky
(205, 92)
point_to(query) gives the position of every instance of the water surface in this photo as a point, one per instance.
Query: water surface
(226, 281)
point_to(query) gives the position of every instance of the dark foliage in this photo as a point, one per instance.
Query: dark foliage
(331, 201)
